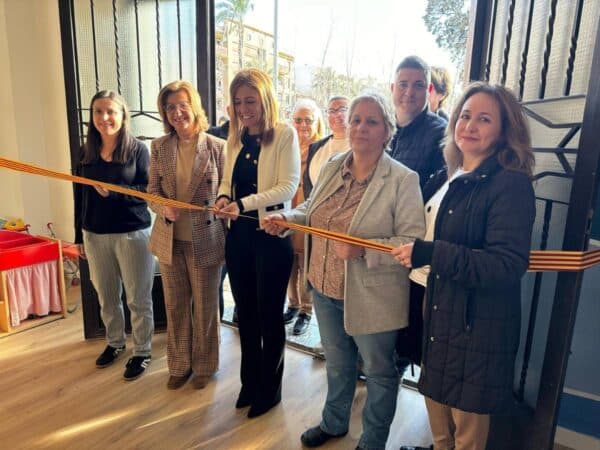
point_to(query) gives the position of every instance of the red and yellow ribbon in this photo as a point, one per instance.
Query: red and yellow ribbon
(35, 170)
(540, 260)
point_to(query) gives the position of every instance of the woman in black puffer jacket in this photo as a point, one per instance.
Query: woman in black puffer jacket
(480, 213)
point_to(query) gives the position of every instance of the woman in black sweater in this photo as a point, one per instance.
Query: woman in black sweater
(112, 229)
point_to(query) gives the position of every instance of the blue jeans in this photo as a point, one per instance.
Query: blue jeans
(341, 351)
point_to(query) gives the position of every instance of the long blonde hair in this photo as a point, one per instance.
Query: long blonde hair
(513, 148)
(261, 83)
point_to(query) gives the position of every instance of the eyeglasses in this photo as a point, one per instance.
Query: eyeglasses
(172, 107)
(299, 120)
(341, 109)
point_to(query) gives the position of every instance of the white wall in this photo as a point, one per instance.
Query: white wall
(33, 125)
(11, 204)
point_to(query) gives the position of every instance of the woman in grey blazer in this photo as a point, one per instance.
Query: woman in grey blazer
(360, 296)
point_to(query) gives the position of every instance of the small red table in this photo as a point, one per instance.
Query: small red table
(31, 279)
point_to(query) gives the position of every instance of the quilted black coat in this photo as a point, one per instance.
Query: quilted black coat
(473, 305)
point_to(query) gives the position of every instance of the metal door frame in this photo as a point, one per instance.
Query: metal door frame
(536, 429)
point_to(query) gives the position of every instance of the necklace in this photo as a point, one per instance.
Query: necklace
(107, 157)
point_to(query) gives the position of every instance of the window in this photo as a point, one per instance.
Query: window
(326, 47)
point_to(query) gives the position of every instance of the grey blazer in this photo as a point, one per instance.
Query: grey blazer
(391, 212)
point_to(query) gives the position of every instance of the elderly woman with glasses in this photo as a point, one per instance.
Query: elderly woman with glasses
(337, 142)
(308, 122)
(360, 295)
(187, 165)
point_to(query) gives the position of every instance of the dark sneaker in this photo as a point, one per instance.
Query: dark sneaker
(136, 366)
(301, 324)
(108, 356)
(290, 315)
(315, 437)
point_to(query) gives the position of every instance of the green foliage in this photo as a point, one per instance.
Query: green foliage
(326, 82)
(448, 21)
(234, 11)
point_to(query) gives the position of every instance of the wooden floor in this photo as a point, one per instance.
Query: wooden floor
(52, 396)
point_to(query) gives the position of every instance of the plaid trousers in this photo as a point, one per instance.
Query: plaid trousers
(192, 304)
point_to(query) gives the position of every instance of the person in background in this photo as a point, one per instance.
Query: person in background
(261, 175)
(337, 142)
(418, 140)
(441, 88)
(112, 230)
(417, 144)
(222, 131)
(479, 213)
(308, 122)
(360, 295)
(187, 165)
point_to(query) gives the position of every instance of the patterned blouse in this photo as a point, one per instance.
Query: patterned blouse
(326, 269)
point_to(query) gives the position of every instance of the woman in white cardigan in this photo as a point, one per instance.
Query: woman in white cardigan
(262, 171)
(360, 296)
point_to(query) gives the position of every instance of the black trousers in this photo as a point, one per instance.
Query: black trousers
(259, 268)
(409, 344)
(221, 300)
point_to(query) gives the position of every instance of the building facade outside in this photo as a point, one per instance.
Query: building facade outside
(258, 52)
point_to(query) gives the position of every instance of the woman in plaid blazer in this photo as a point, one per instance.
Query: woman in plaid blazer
(187, 165)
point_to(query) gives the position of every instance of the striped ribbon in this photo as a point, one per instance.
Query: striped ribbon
(562, 261)
(35, 170)
(540, 260)
(332, 235)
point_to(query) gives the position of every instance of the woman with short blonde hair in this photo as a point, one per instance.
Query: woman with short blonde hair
(200, 122)
(187, 165)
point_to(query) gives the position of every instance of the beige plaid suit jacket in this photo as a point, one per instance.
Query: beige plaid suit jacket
(208, 232)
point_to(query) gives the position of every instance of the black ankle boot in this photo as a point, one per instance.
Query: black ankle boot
(244, 398)
(259, 408)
